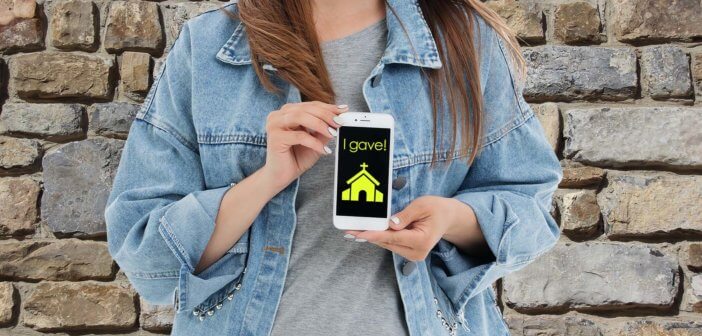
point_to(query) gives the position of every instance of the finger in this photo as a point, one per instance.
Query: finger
(406, 252)
(414, 211)
(294, 120)
(322, 112)
(408, 238)
(291, 138)
(334, 108)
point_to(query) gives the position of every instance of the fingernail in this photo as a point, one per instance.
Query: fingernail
(360, 240)
(349, 236)
(338, 120)
(395, 220)
(327, 149)
(342, 106)
(331, 131)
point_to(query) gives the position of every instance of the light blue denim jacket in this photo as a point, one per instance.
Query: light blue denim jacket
(201, 129)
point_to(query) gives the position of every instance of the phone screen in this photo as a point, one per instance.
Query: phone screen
(362, 179)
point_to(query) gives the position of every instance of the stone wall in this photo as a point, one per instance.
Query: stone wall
(616, 83)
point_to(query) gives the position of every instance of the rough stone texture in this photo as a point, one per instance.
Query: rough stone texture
(550, 119)
(177, 13)
(60, 75)
(7, 302)
(561, 73)
(135, 26)
(577, 23)
(692, 301)
(665, 72)
(697, 66)
(592, 276)
(697, 74)
(581, 176)
(523, 17)
(646, 327)
(18, 155)
(691, 256)
(77, 181)
(65, 259)
(135, 73)
(520, 325)
(18, 205)
(16, 9)
(22, 35)
(634, 137)
(156, 318)
(656, 20)
(579, 212)
(72, 25)
(88, 305)
(55, 122)
(113, 119)
(627, 201)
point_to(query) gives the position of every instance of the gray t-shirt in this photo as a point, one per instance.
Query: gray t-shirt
(334, 286)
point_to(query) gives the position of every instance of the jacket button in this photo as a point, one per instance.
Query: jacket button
(399, 182)
(408, 267)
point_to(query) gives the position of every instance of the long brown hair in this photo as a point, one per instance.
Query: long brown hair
(282, 33)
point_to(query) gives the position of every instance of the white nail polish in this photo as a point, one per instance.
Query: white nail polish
(349, 236)
(338, 120)
(395, 220)
(361, 240)
(342, 106)
(327, 149)
(331, 131)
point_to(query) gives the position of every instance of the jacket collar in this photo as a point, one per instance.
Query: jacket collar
(399, 48)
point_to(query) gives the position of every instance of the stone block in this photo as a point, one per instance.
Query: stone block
(564, 73)
(594, 276)
(634, 137)
(77, 182)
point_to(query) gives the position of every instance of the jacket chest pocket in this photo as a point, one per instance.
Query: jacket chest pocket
(231, 158)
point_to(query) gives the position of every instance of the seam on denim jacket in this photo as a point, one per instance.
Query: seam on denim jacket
(167, 129)
(524, 112)
(146, 105)
(154, 275)
(175, 244)
(144, 112)
(515, 88)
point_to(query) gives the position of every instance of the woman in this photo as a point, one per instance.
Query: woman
(221, 202)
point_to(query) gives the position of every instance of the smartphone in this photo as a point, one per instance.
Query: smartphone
(362, 171)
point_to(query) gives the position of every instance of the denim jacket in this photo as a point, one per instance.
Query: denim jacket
(201, 129)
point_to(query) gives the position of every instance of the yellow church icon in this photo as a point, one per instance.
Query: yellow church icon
(362, 182)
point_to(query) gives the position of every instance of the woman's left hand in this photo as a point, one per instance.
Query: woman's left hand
(422, 224)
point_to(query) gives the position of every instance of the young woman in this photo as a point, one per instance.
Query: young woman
(221, 204)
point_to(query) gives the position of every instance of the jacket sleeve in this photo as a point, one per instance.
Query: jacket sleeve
(159, 214)
(509, 187)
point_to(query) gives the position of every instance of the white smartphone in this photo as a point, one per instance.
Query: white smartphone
(362, 171)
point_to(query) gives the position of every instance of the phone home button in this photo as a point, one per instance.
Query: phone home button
(399, 182)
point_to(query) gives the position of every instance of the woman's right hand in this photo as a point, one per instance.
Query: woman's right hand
(297, 134)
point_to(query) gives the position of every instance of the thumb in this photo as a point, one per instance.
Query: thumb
(408, 215)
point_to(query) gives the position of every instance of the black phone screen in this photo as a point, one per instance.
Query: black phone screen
(362, 179)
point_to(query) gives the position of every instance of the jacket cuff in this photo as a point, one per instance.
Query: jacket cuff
(462, 276)
(494, 217)
(188, 224)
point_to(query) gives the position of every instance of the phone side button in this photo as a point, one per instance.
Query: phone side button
(399, 182)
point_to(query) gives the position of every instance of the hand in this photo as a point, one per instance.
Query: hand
(296, 138)
(422, 224)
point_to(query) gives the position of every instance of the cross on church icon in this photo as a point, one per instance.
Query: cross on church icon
(362, 183)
